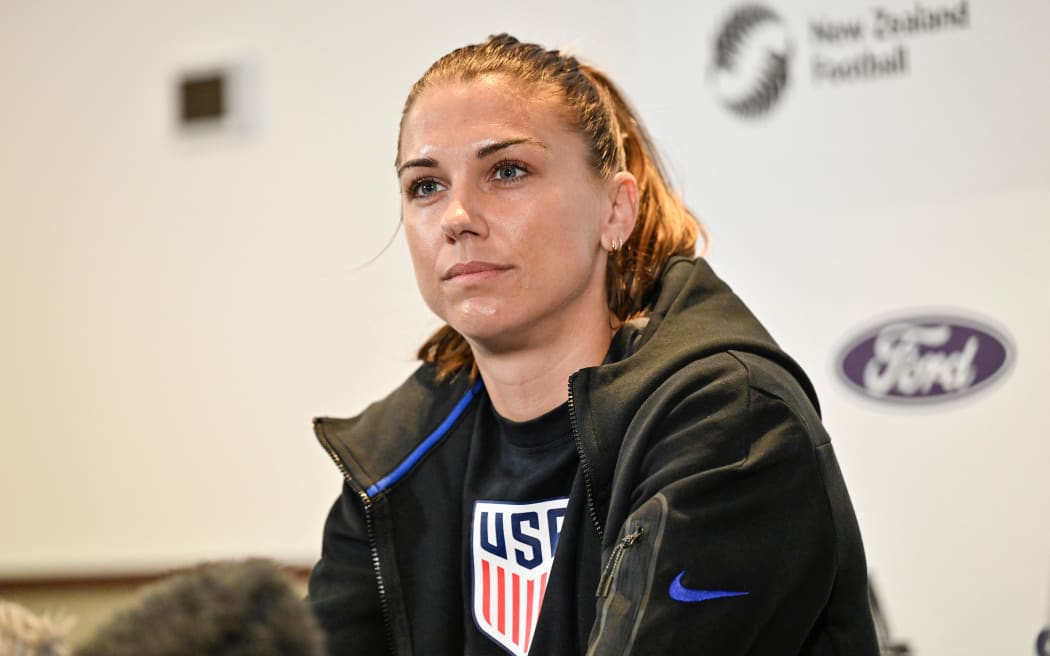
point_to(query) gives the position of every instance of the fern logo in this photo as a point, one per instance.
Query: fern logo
(751, 61)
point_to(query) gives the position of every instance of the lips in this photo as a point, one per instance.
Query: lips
(473, 270)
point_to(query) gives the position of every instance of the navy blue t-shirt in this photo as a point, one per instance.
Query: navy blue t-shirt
(518, 479)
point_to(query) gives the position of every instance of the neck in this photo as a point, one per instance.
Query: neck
(525, 383)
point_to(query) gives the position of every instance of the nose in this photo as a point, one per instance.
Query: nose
(462, 218)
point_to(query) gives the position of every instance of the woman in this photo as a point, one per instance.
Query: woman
(596, 396)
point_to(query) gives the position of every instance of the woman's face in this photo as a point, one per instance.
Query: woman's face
(505, 219)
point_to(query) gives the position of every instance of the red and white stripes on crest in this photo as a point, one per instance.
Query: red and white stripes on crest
(510, 605)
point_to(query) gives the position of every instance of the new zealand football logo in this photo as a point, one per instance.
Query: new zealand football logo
(512, 550)
(752, 54)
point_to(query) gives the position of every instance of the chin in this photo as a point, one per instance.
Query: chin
(487, 325)
(478, 329)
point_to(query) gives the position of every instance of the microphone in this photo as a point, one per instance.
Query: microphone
(26, 634)
(247, 608)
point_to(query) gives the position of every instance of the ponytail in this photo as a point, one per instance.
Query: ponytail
(665, 227)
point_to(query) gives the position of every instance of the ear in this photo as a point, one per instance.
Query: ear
(623, 211)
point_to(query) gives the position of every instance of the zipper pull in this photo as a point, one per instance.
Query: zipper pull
(611, 567)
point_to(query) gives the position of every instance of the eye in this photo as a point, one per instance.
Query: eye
(424, 187)
(509, 171)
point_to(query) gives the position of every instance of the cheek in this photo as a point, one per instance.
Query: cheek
(420, 236)
(423, 253)
(551, 222)
(417, 249)
(575, 231)
(413, 235)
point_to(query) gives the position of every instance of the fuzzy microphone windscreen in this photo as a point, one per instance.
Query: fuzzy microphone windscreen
(24, 634)
(228, 609)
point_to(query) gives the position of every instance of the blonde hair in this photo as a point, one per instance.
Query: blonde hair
(617, 141)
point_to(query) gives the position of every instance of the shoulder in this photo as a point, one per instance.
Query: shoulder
(734, 380)
(771, 384)
(730, 410)
(725, 427)
(737, 396)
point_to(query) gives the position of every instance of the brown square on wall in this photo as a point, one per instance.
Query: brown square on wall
(202, 98)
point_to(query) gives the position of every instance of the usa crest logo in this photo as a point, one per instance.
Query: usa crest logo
(512, 550)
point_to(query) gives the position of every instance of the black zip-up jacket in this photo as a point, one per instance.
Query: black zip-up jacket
(708, 515)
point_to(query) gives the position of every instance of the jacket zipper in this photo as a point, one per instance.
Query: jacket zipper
(388, 630)
(626, 542)
(587, 473)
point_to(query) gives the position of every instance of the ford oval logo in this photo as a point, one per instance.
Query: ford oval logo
(925, 358)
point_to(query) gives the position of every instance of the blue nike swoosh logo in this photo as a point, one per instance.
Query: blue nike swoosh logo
(679, 592)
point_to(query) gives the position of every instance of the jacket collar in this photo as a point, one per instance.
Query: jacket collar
(374, 448)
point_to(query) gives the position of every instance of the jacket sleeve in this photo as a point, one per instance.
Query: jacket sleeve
(342, 587)
(736, 543)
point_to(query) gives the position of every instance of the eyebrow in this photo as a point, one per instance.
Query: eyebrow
(422, 161)
(482, 153)
(485, 151)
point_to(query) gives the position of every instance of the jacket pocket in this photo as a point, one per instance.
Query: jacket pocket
(626, 580)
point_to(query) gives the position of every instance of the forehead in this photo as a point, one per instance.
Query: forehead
(488, 108)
